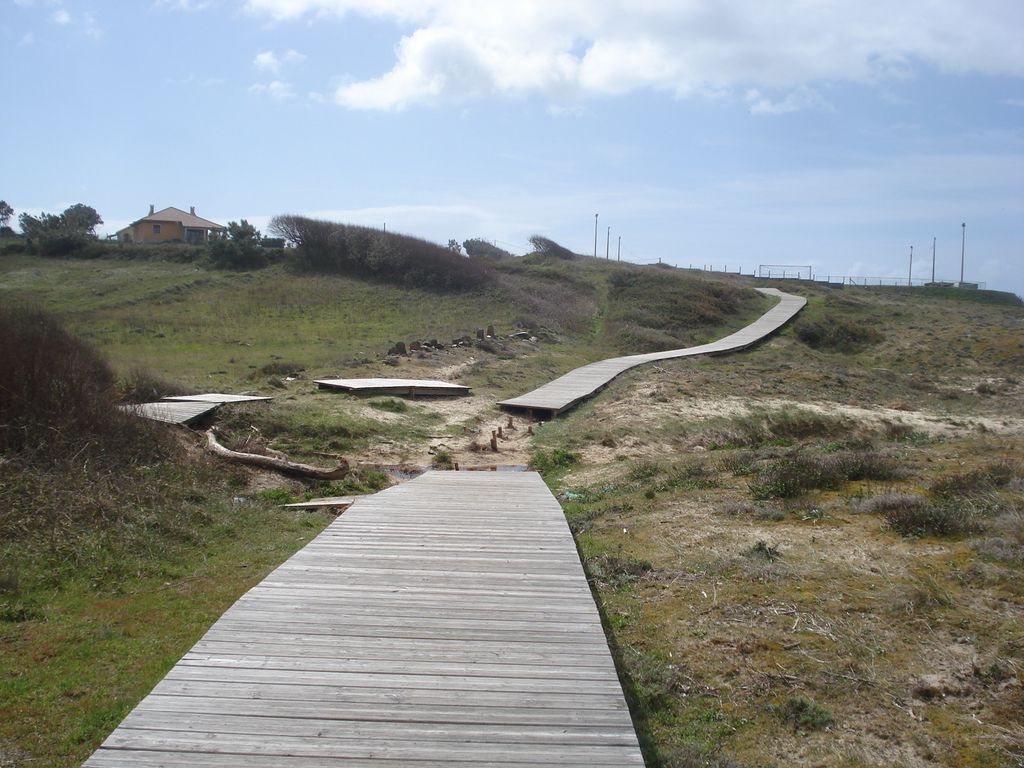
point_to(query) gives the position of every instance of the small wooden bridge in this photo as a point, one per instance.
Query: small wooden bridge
(446, 621)
(566, 391)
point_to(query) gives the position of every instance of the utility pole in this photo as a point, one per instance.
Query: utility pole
(618, 256)
(595, 235)
(933, 259)
(963, 248)
(910, 273)
(608, 244)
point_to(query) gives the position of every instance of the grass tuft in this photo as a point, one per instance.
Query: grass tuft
(389, 404)
(805, 714)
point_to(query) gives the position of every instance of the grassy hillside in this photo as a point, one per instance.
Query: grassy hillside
(806, 554)
(812, 553)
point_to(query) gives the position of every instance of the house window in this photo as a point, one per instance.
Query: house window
(156, 229)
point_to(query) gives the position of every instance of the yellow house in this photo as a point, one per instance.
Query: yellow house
(170, 225)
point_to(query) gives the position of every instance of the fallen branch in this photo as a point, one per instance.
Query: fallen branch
(278, 463)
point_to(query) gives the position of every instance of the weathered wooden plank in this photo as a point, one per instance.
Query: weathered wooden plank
(218, 398)
(326, 501)
(478, 714)
(413, 387)
(332, 695)
(170, 413)
(445, 621)
(273, 744)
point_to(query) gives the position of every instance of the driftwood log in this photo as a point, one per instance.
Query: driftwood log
(278, 463)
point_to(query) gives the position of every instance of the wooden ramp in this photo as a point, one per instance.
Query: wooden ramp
(218, 398)
(411, 387)
(566, 391)
(442, 622)
(171, 413)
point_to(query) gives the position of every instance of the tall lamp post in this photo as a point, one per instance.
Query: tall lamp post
(910, 272)
(595, 235)
(963, 248)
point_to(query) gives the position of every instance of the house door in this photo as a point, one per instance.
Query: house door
(194, 236)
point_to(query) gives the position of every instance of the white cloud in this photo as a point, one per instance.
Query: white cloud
(276, 89)
(61, 17)
(462, 49)
(92, 27)
(1014, 102)
(182, 5)
(271, 62)
(27, 39)
(801, 98)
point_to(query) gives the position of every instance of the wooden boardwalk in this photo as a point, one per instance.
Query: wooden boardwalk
(442, 622)
(566, 391)
(410, 387)
(171, 412)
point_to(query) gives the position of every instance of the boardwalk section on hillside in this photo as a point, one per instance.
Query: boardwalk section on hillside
(445, 621)
(218, 398)
(410, 387)
(171, 413)
(566, 391)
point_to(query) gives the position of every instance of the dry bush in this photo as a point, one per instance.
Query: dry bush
(791, 476)
(57, 397)
(1006, 537)
(951, 517)
(885, 502)
(142, 386)
(995, 475)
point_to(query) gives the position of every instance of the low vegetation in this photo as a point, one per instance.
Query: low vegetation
(804, 555)
(118, 544)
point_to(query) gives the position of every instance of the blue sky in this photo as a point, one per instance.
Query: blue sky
(730, 132)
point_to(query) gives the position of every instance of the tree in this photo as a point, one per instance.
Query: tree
(454, 246)
(5, 213)
(81, 219)
(239, 248)
(476, 247)
(52, 234)
(243, 231)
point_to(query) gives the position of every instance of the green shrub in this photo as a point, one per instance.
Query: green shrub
(556, 458)
(361, 480)
(277, 496)
(442, 460)
(330, 247)
(835, 333)
(805, 714)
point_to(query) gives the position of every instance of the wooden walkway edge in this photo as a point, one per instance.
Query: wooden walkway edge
(566, 391)
(446, 621)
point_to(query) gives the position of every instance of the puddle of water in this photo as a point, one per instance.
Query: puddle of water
(403, 472)
(497, 468)
(407, 472)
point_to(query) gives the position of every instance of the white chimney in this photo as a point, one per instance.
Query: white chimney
(152, 209)
(192, 210)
